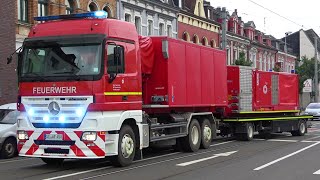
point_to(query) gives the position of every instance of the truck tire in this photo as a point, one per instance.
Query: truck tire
(248, 135)
(9, 148)
(191, 143)
(302, 129)
(53, 161)
(206, 134)
(126, 147)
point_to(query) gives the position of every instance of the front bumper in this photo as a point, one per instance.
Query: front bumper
(70, 146)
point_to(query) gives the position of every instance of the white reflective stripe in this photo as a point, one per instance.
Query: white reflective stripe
(81, 145)
(27, 145)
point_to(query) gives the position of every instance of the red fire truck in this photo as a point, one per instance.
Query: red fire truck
(91, 87)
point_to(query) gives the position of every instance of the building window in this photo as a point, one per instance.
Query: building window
(186, 36)
(196, 39)
(23, 10)
(92, 7)
(137, 23)
(42, 8)
(169, 31)
(69, 6)
(205, 41)
(150, 27)
(161, 29)
(209, 14)
(213, 43)
(127, 17)
(108, 10)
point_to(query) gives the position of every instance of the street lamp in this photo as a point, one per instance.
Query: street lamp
(286, 48)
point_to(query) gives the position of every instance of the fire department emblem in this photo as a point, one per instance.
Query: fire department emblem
(54, 108)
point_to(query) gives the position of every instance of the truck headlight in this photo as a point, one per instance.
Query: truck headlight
(22, 135)
(89, 136)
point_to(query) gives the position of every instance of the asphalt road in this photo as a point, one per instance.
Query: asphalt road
(279, 157)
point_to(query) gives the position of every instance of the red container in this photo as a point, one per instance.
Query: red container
(191, 76)
(254, 90)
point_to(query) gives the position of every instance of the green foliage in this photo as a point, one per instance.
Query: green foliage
(305, 70)
(242, 61)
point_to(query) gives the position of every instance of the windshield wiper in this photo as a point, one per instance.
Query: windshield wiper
(78, 77)
(33, 74)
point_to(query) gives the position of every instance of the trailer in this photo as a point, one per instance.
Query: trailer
(91, 87)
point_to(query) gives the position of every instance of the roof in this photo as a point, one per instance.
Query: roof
(12, 106)
(311, 34)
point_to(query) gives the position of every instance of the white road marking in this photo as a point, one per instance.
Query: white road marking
(24, 159)
(317, 172)
(287, 156)
(282, 140)
(98, 169)
(257, 139)
(207, 158)
(222, 143)
(304, 141)
(312, 138)
(78, 173)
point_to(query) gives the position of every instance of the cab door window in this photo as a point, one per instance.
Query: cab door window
(115, 59)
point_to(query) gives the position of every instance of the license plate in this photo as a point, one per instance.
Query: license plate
(53, 137)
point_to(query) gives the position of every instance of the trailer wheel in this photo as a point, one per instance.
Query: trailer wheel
(206, 134)
(302, 129)
(53, 161)
(126, 147)
(247, 135)
(191, 143)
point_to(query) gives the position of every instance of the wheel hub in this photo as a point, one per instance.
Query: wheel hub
(194, 135)
(207, 133)
(127, 146)
(9, 148)
(302, 128)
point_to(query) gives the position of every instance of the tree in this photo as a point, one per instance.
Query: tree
(242, 61)
(305, 70)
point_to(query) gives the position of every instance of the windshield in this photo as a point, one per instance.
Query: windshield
(8, 116)
(313, 106)
(61, 60)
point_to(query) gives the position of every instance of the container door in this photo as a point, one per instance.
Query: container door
(263, 90)
(245, 89)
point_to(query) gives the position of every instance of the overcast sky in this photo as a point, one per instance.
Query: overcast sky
(301, 12)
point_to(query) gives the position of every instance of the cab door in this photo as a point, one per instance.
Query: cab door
(123, 84)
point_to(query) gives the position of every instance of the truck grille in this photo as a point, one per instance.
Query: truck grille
(40, 109)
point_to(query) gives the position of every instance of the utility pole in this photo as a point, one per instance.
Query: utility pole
(316, 81)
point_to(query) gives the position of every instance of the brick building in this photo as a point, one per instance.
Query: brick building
(15, 26)
(27, 9)
(194, 26)
(8, 81)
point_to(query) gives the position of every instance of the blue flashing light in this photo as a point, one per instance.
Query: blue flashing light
(80, 112)
(46, 118)
(30, 112)
(94, 14)
(62, 119)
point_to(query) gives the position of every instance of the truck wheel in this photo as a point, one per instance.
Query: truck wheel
(9, 148)
(53, 161)
(302, 128)
(191, 143)
(206, 134)
(248, 136)
(126, 147)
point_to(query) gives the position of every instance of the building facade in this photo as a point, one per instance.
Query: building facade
(27, 9)
(151, 17)
(197, 24)
(8, 78)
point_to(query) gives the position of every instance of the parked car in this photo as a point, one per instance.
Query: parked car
(314, 110)
(8, 128)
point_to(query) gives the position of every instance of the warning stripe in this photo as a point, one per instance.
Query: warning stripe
(123, 93)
